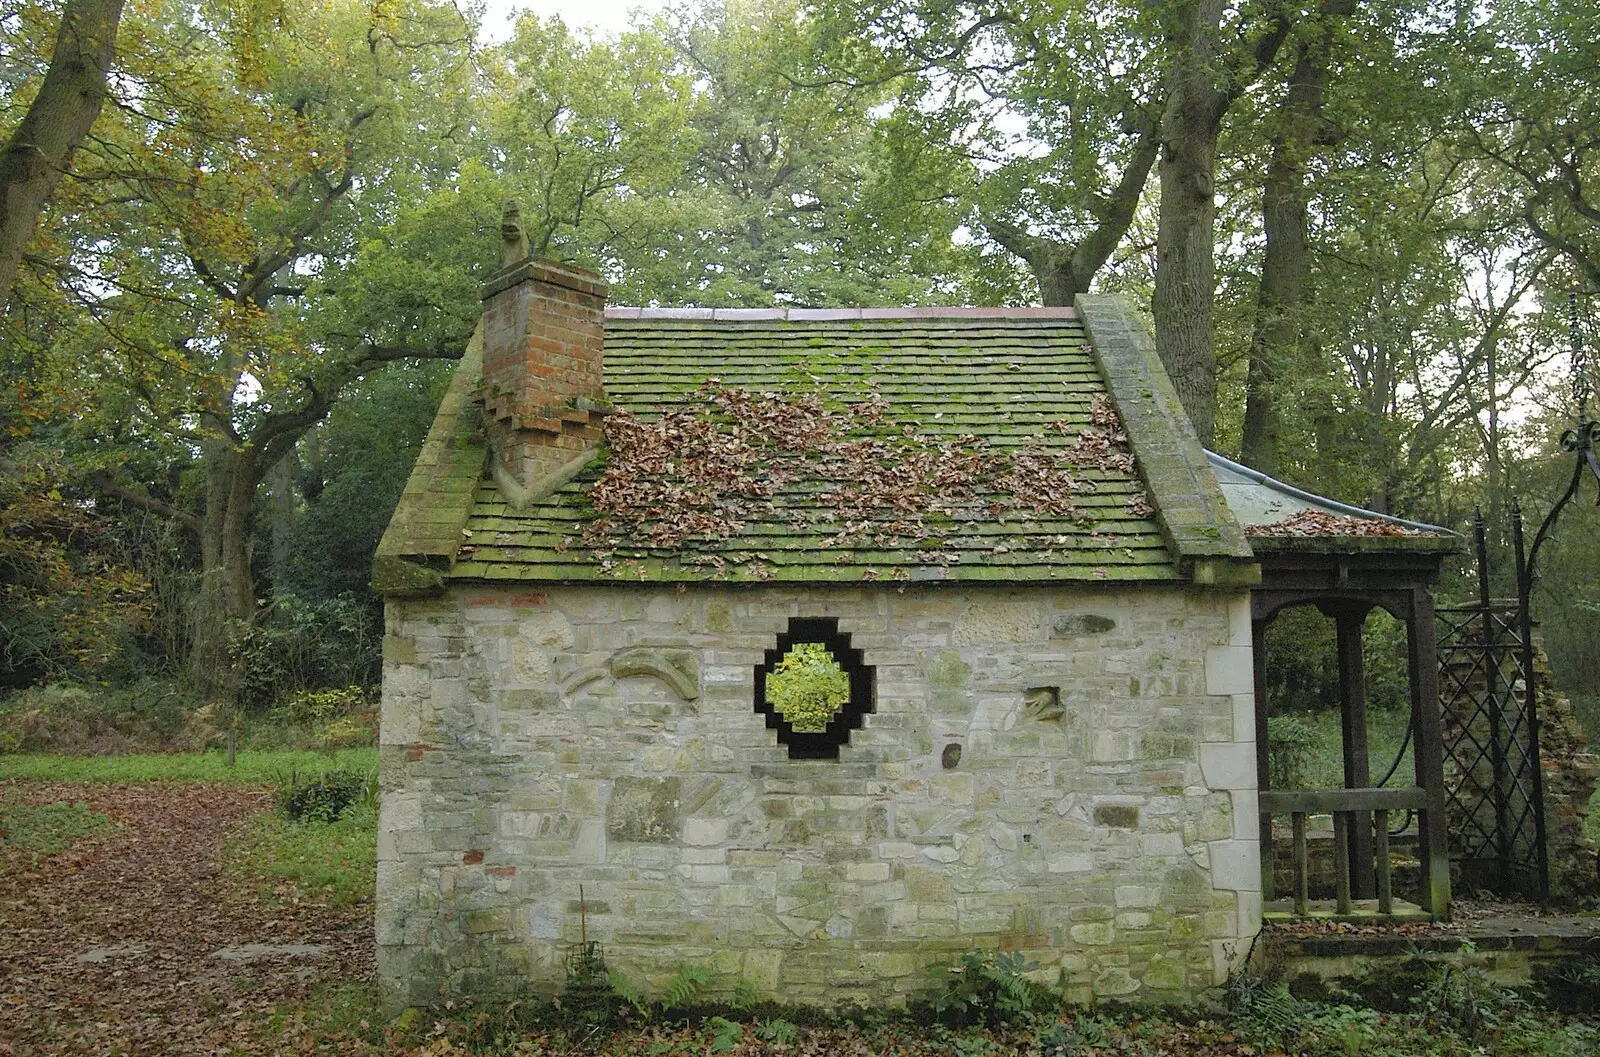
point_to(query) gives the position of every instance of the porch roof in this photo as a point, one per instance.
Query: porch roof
(1278, 517)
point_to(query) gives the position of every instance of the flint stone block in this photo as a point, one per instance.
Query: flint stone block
(644, 810)
(1116, 816)
(1081, 626)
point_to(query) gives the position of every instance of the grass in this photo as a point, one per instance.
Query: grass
(252, 766)
(1386, 731)
(326, 861)
(46, 829)
(333, 861)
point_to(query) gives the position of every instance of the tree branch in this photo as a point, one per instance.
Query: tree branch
(145, 501)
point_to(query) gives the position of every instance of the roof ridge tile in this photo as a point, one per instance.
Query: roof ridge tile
(830, 315)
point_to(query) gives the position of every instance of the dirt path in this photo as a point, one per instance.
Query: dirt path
(113, 945)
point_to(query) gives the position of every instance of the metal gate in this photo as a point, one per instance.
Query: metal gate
(1494, 785)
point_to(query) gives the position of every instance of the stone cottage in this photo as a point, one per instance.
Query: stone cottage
(1003, 530)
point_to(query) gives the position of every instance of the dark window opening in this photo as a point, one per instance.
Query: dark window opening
(822, 688)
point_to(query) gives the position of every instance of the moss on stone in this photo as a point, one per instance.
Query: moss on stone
(1116, 816)
(644, 810)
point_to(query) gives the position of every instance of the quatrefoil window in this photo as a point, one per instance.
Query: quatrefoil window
(813, 688)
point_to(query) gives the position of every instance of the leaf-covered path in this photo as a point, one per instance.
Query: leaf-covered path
(113, 945)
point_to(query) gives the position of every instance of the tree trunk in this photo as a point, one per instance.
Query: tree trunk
(1203, 81)
(226, 600)
(1185, 268)
(60, 116)
(1065, 269)
(1281, 337)
(280, 520)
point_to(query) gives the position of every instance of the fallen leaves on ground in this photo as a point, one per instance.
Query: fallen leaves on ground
(1465, 915)
(149, 903)
(110, 945)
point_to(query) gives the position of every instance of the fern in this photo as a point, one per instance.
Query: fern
(685, 986)
(629, 992)
(781, 1032)
(990, 987)
(727, 1035)
(745, 994)
(1265, 1007)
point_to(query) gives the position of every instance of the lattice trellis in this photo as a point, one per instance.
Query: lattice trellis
(1493, 788)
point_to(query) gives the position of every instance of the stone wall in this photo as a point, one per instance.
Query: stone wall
(604, 739)
(1570, 773)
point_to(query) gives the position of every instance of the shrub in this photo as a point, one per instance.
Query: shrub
(306, 708)
(1291, 748)
(67, 607)
(808, 687)
(335, 718)
(82, 720)
(301, 645)
(326, 797)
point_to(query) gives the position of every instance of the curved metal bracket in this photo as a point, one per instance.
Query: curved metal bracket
(1581, 442)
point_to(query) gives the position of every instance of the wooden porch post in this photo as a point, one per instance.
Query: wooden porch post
(1348, 620)
(1258, 656)
(1428, 751)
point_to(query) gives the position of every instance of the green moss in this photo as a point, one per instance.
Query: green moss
(937, 384)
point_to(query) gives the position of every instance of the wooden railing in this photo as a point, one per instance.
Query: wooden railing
(1349, 808)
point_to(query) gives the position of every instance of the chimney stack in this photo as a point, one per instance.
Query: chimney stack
(543, 366)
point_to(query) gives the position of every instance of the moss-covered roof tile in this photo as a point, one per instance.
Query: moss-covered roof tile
(843, 446)
(898, 395)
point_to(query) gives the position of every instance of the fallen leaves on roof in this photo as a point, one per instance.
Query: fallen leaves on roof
(1310, 522)
(703, 471)
(814, 452)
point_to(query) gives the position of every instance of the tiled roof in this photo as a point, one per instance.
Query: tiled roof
(1016, 400)
(1280, 517)
(1001, 380)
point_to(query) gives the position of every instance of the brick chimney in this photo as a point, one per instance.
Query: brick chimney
(543, 366)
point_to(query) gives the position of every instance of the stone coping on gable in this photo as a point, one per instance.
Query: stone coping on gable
(1195, 519)
(424, 534)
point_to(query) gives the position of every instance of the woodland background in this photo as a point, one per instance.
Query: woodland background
(242, 239)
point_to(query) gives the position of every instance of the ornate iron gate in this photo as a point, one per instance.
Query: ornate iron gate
(1494, 785)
